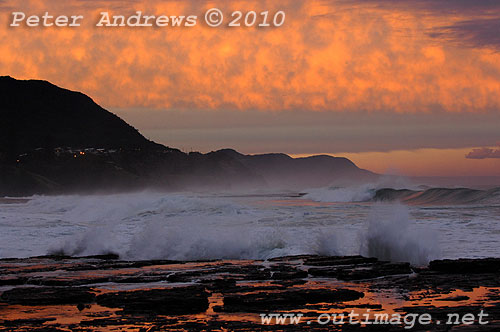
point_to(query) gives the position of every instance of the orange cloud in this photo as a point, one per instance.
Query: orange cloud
(328, 56)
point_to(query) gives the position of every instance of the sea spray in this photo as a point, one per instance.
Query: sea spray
(151, 225)
(198, 238)
(184, 227)
(95, 241)
(390, 236)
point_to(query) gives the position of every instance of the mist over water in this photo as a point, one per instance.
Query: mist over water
(212, 226)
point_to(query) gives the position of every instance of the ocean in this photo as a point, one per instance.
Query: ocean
(262, 225)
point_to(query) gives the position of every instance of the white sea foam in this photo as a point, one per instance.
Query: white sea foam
(153, 226)
(191, 226)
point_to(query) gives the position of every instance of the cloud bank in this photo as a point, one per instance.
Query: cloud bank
(329, 56)
(484, 153)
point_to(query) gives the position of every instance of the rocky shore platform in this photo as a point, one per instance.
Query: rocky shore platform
(104, 293)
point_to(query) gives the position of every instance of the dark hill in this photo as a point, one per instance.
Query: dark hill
(281, 170)
(57, 141)
(38, 114)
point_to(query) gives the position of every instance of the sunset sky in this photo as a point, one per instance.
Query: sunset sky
(406, 86)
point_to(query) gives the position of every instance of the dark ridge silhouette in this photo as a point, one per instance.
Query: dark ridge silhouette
(38, 114)
(55, 141)
(280, 170)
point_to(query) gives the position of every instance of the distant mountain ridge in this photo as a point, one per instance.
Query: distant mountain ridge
(277, 168)
(54, 140)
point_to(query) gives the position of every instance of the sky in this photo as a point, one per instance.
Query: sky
(406, 86)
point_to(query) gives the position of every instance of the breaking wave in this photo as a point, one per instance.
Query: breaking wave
(195, 227)
(440, 196)
(181, 227)
(432, 196)
(356, 193)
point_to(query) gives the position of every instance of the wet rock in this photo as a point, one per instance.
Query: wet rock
(81, 306)
(220, 285)
(486, 265)
(187, 276)
(338, 260)
(454, 299)
(30, 324)
(89, 265)
(47, 296)
(12, 281)
(370, 271)
(65, 282)
(292, 299)
(293, 258)
(284, 272)
(306, 283)
(139, 279)
(364, 306)
(175, 301)
(289, 282)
